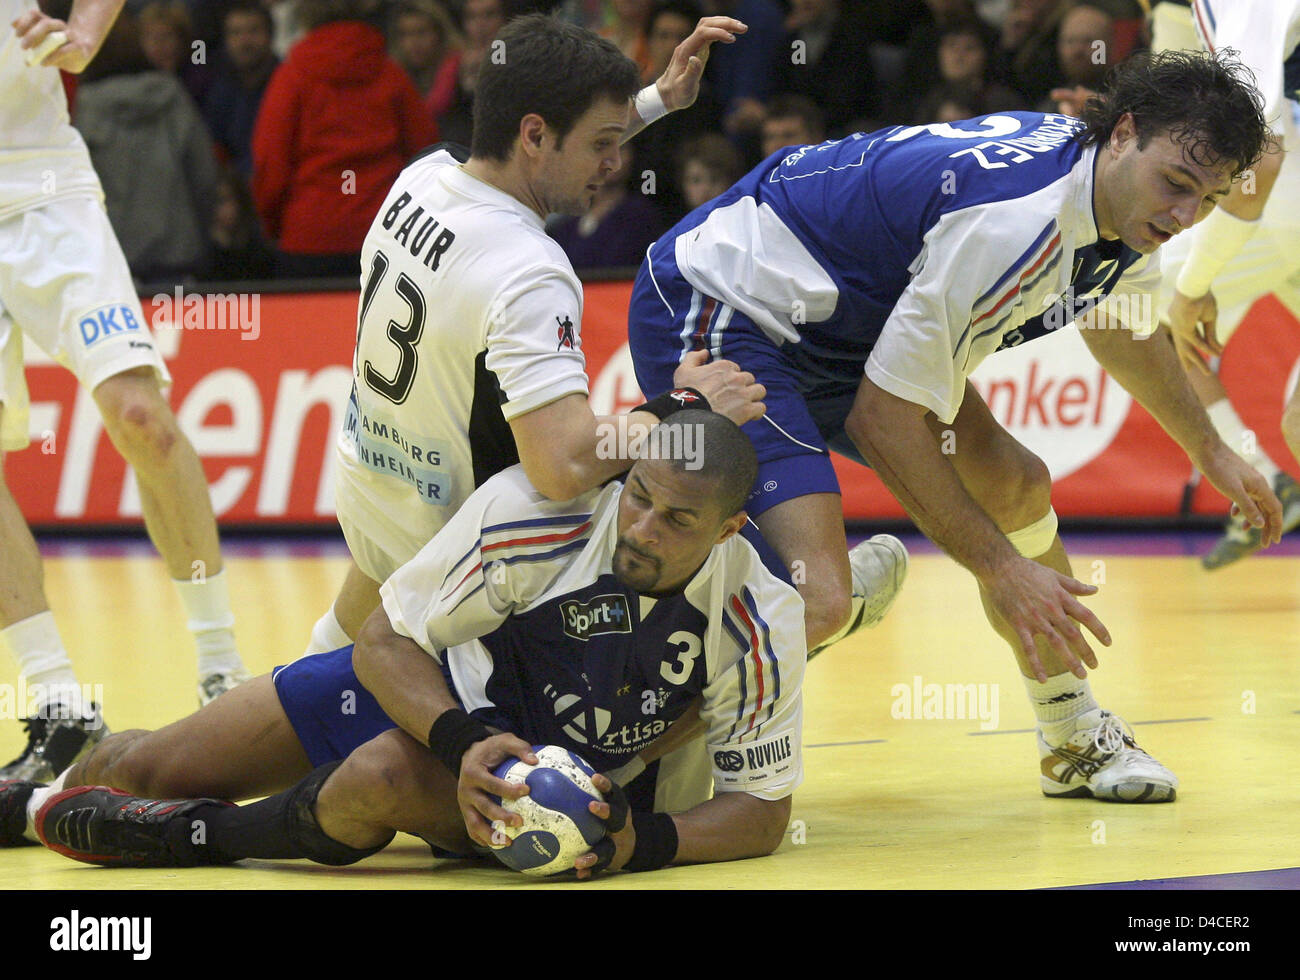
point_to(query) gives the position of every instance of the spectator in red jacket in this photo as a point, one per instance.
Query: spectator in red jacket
(338, 122)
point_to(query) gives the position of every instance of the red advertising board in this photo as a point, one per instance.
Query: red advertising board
(261, 382)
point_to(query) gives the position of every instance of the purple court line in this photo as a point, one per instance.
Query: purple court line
(1172, 543)
(1188, 544)
(134, 547)
(1280, 879)
(1157, 721)
(865, 741)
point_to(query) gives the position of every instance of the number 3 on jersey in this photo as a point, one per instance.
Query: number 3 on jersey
(688, 648)
(404, 335)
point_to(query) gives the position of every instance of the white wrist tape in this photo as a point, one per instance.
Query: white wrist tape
(650, 104)
(1214, 242)
(1035, 540)
(51, 43)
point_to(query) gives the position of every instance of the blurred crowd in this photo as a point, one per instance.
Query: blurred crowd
(256, 139)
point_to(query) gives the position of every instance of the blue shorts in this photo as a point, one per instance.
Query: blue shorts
(332, 714)
(330, 711)
(668, 318)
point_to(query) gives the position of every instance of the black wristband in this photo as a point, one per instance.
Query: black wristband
(452, 734)
(656, 841)
(674, 401)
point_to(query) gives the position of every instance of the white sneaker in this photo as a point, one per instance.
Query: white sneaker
(879, 567)
(1101, 760)
(215, 685)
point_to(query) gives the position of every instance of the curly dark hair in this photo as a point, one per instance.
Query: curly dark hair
(1208, 103)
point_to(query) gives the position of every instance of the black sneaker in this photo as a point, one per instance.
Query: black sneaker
(99, 825)
(14, 795)
(54, 743)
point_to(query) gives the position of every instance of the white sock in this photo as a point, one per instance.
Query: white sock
(327, 635)
(1233, 432)
(37, 800)
(43, 663)
(1058, 703)
(207, 605)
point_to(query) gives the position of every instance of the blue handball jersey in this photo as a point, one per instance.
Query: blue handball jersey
(517, 598)
(911, 252)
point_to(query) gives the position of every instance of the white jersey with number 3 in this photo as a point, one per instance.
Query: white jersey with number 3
(518, 598)
(469, 317)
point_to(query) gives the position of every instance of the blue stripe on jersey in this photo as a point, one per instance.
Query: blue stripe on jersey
(765, 636)
(469, 595)
(1019, 263)
(543, 522)
(999, 292)
(574, 545)
(539, 522)
(744, 693)
(1046, 270)
(730, 626)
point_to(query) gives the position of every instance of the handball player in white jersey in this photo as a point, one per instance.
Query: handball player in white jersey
(1249, 245)
(469, 354)
(65, 286)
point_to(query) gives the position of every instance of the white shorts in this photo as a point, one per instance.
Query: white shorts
(382, 533)
(1264, 264)
(65, 284)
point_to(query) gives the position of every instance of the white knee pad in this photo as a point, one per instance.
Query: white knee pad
(1037, 538)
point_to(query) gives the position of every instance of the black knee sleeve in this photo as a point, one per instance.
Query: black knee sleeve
(302, 828)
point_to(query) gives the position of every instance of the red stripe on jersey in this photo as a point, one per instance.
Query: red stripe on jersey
(1205, 28)
(1042, 257)
(538, 539)
(702, 329)
(513, 542)
(743, 613)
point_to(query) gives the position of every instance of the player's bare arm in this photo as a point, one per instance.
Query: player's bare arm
(1149, 370)
(728, 827)
(564, 446)
(679, 85)
(410, 687)
(1034, 600)
(86, 28)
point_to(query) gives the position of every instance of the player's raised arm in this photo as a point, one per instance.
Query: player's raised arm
(679, 85)
(84, 32)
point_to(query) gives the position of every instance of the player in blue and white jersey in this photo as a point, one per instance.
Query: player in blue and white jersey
(862, 280)
(592, 624)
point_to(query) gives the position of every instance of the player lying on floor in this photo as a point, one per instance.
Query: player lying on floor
(593, 624)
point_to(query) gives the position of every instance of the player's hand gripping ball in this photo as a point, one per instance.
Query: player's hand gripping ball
(557, 826)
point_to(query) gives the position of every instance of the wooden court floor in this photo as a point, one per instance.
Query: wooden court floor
(1206, 667)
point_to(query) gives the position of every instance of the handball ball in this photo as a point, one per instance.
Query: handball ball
(557, 825)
